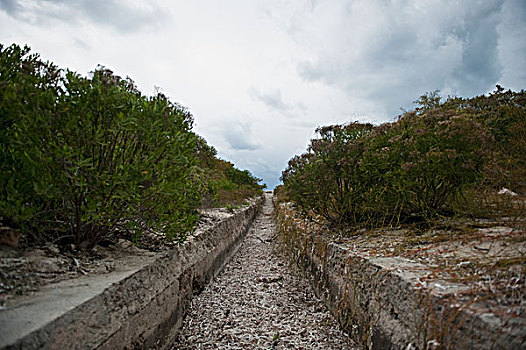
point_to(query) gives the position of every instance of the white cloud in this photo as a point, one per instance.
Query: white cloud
(390, 52)
(272, 99)
(240, 137)
(512, 44)
(260, 76)
(123, 15)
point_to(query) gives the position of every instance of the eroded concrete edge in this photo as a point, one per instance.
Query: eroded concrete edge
(379, 303)
(146, 308)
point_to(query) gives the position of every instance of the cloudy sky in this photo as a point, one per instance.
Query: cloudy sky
(261, 75)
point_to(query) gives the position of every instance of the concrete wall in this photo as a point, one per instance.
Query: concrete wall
(382, 304)
(139, 307)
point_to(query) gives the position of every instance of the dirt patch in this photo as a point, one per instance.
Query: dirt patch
(25, 272)
(487, 258)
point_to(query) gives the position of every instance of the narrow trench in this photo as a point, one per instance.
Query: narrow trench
(258, 302)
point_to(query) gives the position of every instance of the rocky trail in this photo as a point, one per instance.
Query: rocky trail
(258, 302)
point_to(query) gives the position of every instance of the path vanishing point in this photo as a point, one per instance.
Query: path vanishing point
(258, 302)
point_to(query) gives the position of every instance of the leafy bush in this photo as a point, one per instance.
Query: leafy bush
(84, 157)
(24, 81)
(421, 163)
(89, 155)
(224, 185)
(503, 115)
(415, 168)
(326, 179)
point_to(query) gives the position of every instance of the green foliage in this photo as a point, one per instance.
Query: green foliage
(423, 163)
(428, 101)
(226, 186)
(325, 180)
(85, 157)
(24, 81)
(418, 167)
(503, 115)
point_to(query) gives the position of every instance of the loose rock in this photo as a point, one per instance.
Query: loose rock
(257, 302)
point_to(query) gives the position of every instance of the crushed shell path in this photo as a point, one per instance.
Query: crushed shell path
(257, 302)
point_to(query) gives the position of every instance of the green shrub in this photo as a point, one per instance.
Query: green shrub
(220, 183)
(414, 168)
(503, 115)
(326, 179)
(227, 185)
(421, 163)
(87, 156)
(29, 88)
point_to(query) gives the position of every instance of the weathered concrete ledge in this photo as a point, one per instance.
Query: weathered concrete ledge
(140, 305)
(394, 302)
(382, 303)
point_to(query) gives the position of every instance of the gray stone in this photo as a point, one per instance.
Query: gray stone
(140, 304)
(390, 303)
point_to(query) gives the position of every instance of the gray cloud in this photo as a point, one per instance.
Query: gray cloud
(343, 59)
(273, 99)
(10, 6)
(121, 15)
(512, 43)
(239, 136)
(81, 44)
(480, 66)
(392, 52)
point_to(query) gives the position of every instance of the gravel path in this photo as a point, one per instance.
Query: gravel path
(257, 302)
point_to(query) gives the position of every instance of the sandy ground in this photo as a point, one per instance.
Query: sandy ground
(257, 302)
(25, 271)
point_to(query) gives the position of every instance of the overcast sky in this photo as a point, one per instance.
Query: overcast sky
(259, 76)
